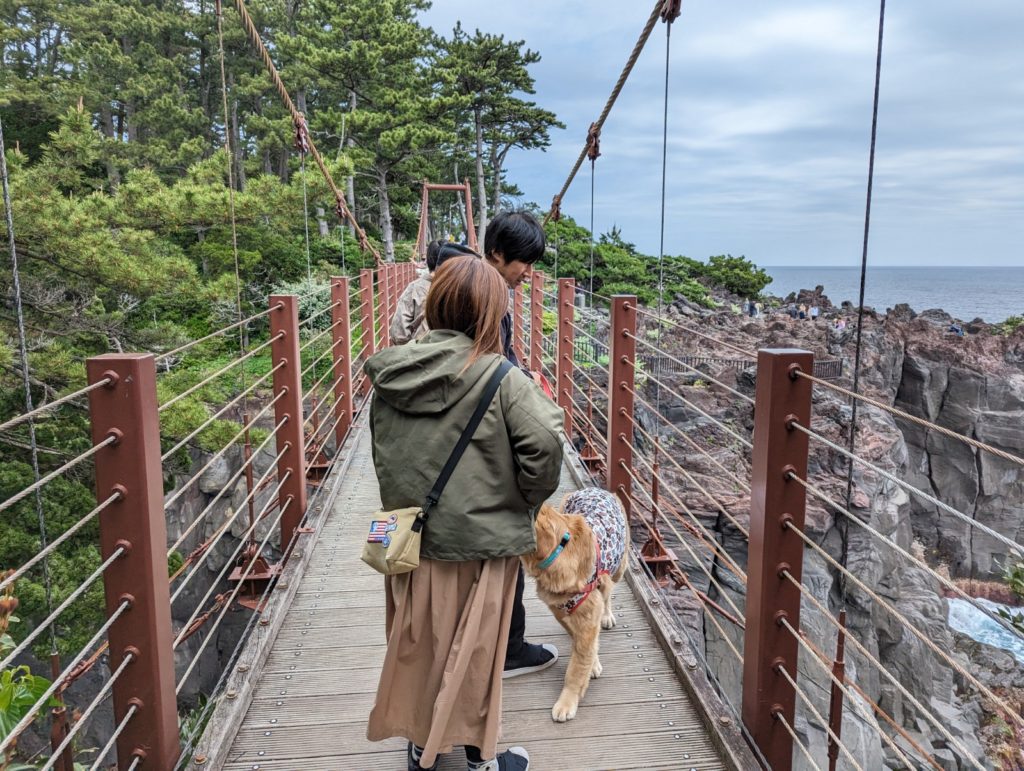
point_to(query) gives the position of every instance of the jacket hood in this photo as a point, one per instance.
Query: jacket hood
(426, 376)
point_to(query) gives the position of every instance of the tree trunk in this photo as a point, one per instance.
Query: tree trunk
(321, 222)
(385, 216)
(496, 164)
(107, 117)
(350, 183)
(480, 182)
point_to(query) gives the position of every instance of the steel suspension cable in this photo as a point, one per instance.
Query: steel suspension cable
(691, 330)
(98, 763)
(663, 354)
(27, 386)
(797, 740)
(221, 331)
(42, 481)
(664, 175)
(27, 416)
(863, 280)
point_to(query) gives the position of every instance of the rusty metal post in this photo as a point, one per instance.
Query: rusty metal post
(565, 349)
(127, 409)
(284, 353)
(342, 324)
(470, 225)
(835, 707)
(774, 549)
(367, 314)
(384, 293)
(536, 321)
(517, 323)
(621, 385)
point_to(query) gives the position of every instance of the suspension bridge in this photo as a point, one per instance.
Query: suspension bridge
(710, 666)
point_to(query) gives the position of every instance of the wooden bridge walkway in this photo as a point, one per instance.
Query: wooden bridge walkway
(304, 687)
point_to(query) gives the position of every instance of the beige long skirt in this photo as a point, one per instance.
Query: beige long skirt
(447, 629)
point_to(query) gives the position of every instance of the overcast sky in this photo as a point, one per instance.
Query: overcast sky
(769, 125)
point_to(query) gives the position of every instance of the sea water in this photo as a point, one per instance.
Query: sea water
(992, 294)
(968, 620)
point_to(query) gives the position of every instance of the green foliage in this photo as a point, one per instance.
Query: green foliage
(1013, 575)
(736, 274)
(1008, 327)
(19, 688)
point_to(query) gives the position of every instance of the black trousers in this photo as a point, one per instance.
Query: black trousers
(517, 627)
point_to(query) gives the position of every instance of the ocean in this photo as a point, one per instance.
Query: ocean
(992, 294)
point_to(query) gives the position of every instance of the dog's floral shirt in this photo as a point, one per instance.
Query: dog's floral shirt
(602, 511)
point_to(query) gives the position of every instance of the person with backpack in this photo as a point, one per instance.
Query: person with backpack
(448, 620)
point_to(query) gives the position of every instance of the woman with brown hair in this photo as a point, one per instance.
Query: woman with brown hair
(448, 620)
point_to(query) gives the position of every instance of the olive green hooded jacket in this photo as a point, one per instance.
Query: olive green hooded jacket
(422, 401)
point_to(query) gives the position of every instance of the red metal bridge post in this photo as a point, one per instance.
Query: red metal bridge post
(621, 387)
(284, 353)
(127, 409)
(536, 321)
(517, 323)
(566, 349)
(366, 317)
(341, 322)
(779, 450)
(384, 293)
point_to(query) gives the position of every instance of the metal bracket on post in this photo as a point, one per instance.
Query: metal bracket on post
(517, 323)
(621, 385)
(285, 357)
(775, 549)
(565, 349)
(536, 321)
(341, 323)
(127, 409)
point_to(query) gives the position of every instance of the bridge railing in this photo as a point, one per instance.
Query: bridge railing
(716, 478)
(244, 444)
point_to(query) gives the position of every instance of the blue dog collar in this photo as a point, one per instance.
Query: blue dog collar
(558, 550)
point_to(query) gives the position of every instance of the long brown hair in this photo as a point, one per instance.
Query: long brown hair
(467, 295)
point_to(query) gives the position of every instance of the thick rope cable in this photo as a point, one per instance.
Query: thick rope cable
(933, 647)
(616, 90)
(42, 481)
(27, 416)
(880, 668)
(341, 207)
(1018, 548)
(823, 496)
(36, 488)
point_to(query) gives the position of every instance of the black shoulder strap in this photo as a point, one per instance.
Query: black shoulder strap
(467, 434)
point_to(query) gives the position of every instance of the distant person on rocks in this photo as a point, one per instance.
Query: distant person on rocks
(815, 312)
(802, 313)
(792, 311)
(840, 324)
(956, 329)
(757, 310)
(408, 322)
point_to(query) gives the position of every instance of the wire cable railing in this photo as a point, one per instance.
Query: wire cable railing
(210, 420)
(42, 409)
(902, 415)
(696, 332)
(223, 370)
(965, 518)
(191, 344)
(118, 730)
(44, 480)
(220, 453)
(680, 362)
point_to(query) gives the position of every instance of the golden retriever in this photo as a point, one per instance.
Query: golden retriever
(580, 556)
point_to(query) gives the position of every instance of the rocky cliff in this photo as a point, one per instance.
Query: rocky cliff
(973, 385)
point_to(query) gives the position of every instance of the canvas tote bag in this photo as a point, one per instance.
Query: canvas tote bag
(393, 543)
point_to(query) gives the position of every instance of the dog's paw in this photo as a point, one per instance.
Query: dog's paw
(608, 620)
(597, 669)
(565, 708)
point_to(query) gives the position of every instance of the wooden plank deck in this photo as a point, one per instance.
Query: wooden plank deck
(312, 698)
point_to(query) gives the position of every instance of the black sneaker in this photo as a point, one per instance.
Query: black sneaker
(512, 759)
(532, 658)
(413, 765)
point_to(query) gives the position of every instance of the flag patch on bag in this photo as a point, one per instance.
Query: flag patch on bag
(381, 529)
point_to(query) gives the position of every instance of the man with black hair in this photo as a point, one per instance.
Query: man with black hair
(513, 243)
(407, 323)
